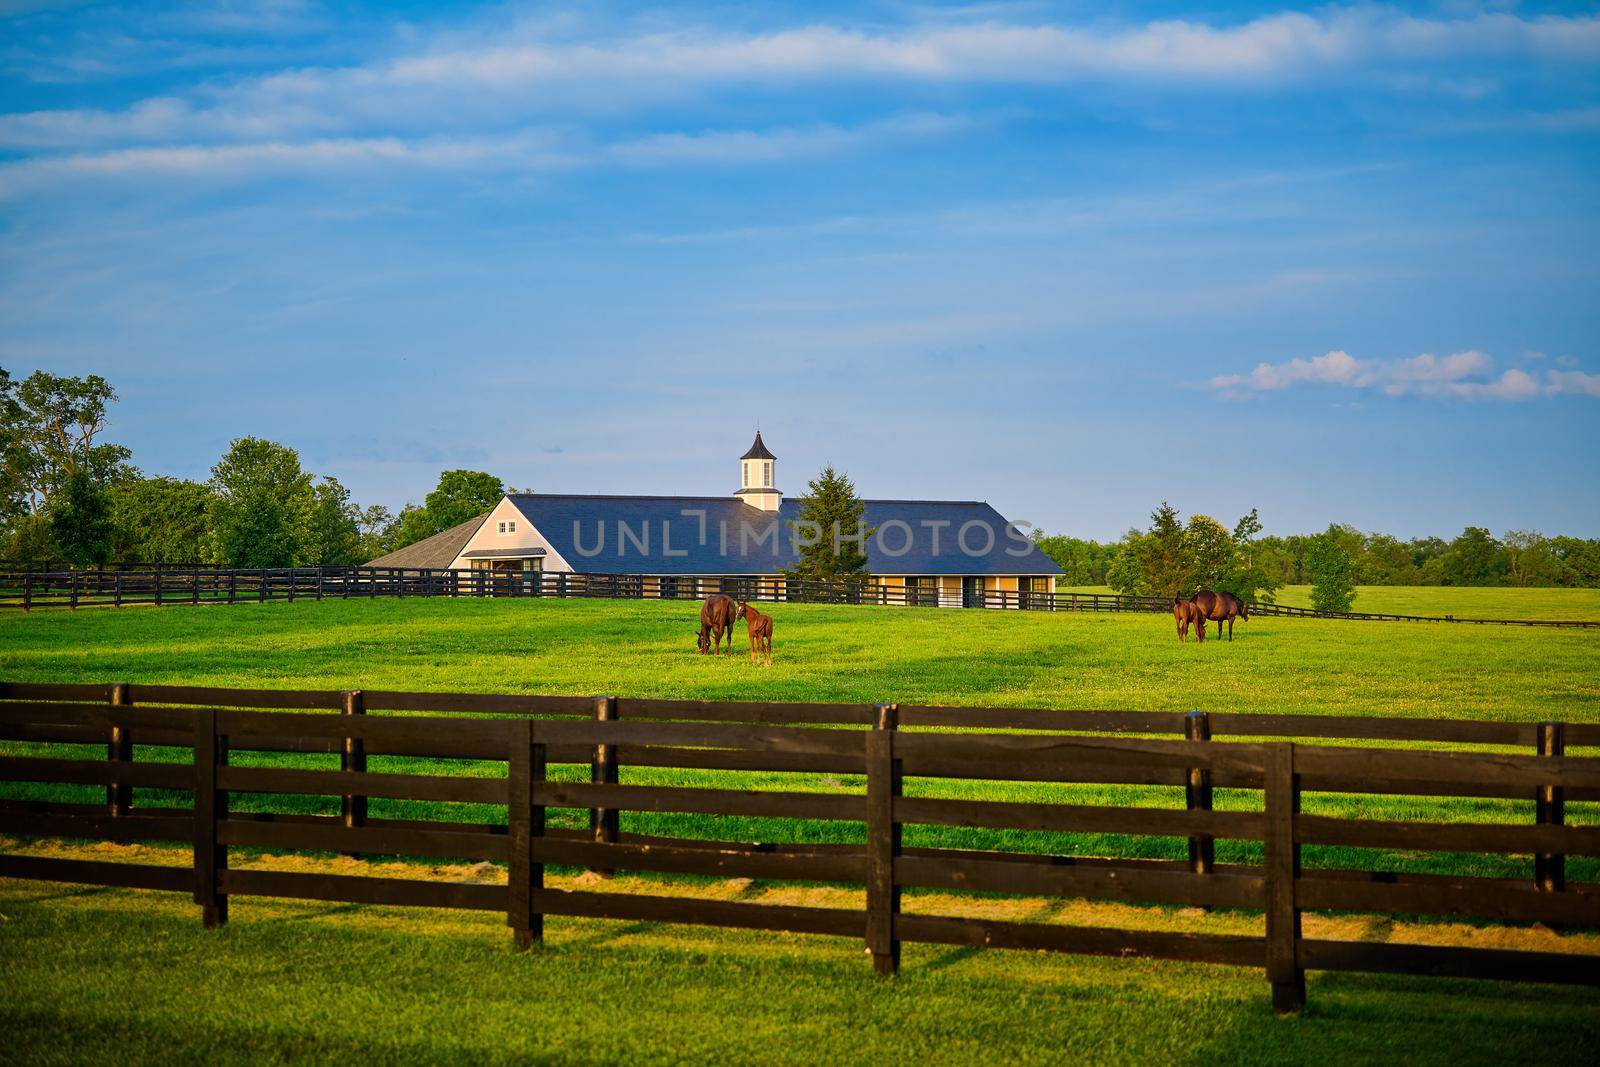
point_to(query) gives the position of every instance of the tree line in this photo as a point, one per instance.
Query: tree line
(1172, 557)
(66, 494)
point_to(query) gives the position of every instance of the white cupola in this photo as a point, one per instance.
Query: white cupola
(756, 486)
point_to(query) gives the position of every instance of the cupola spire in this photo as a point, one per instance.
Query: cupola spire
(756, 483)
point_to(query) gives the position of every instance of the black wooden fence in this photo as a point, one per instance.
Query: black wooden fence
(175, 585)
(888, 744)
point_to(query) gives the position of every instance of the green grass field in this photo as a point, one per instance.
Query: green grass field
(671, 993)
(1558, 604)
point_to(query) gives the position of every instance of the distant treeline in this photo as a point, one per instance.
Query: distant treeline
(65, 494)
(1474, 557)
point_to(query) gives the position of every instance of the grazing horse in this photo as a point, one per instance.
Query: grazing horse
(1219, 608)
(717, 615)
(760, 632)
(1183, 613)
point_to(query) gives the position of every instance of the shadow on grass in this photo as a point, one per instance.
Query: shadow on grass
(65, 894)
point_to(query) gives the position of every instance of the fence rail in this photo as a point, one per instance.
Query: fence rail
(888, 744)
(196, 585)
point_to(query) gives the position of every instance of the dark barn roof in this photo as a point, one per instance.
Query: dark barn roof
(758, 450)
(440, 550)
(739, 539)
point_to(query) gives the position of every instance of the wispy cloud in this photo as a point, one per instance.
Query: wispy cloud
(513, 76)
(1465, 375)
(776, 145)
(528, 151)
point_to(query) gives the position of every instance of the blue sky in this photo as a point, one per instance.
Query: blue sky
(1338, 263)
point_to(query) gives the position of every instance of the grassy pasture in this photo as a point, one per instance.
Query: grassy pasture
(100, 975)
(1556, 604)
(950, 1003)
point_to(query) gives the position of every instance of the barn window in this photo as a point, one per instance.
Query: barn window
(766, 474)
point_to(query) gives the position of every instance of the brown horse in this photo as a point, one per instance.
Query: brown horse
(716, 618)
(1183, 613)
(760, 632)
(1219, 608)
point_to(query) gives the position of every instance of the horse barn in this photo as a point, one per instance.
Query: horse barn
(946, 552)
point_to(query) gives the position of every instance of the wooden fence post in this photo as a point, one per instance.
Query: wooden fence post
(883, 841)
(194, 587)
(117, 596)
(27, 591)
(525, 826)
(210, 807)
(1550, 869)
(72, 587)
(1197, 794)
(119, 749)
(603, 822)
(353, 757)
(1282, 865)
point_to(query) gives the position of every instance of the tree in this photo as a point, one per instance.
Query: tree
(160, 520)
(1332, 570)
(1208, 554)
(1390, 561)
(378, 528)
(330, 535)
(1474, 558)
(1162, 567)
(1579, 561)
(1249, 578)
(27, 538)
(52, 423)
(1126, 572)
(1530, 559)
(14, 456)
(255, 531)
(460, 495)
(260, 514)
(1082, 562)
(80, 520)
(830, 534)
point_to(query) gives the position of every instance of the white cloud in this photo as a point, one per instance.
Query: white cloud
(1465, 375)
(1575, 382)
(529, 150)
(511, 76)
(776, 145)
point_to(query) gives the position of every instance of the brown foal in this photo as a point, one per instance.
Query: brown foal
(760, 632)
